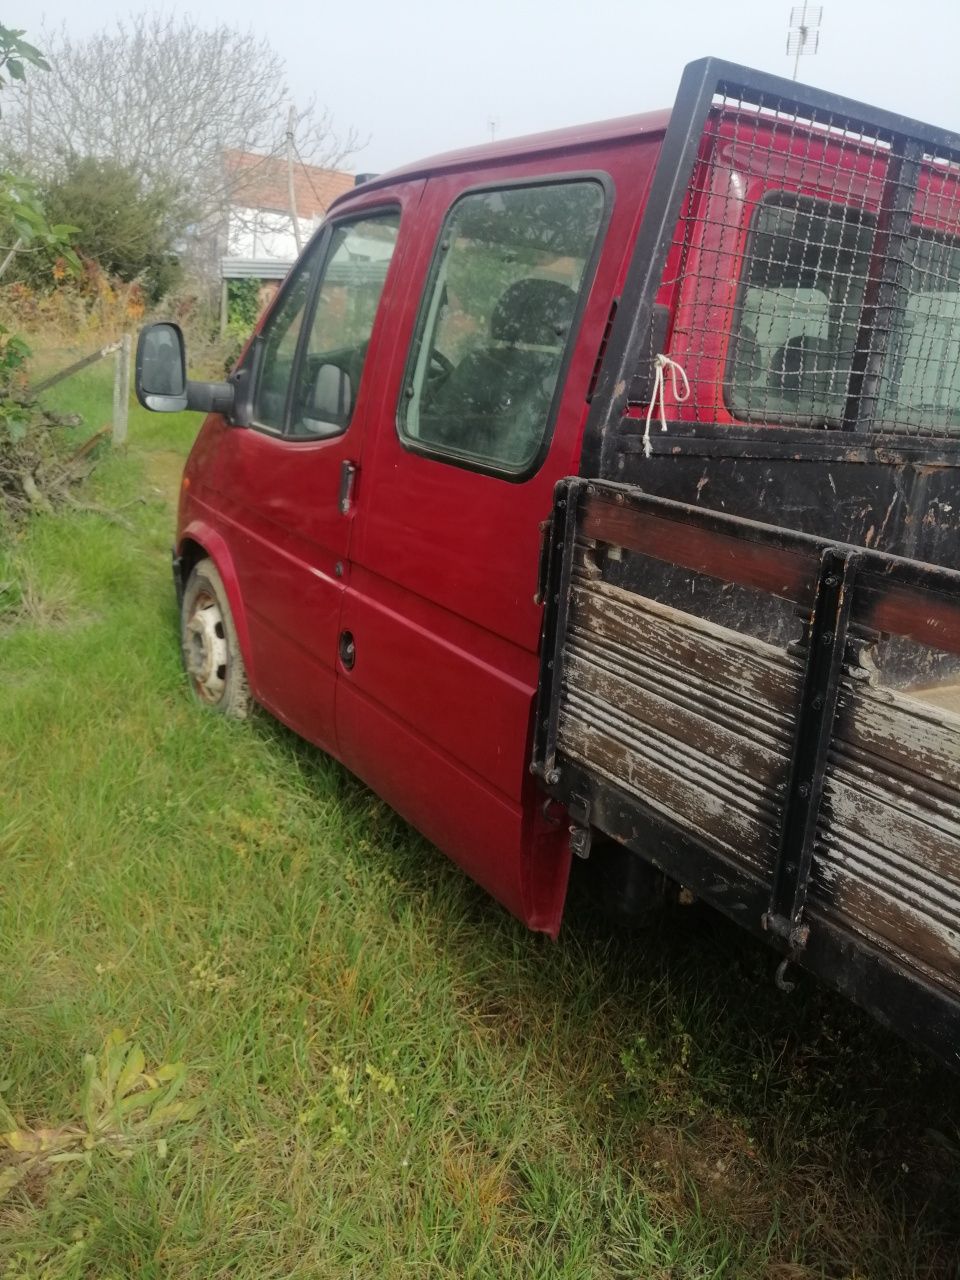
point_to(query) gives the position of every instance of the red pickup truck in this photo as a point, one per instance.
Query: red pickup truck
(692, 379)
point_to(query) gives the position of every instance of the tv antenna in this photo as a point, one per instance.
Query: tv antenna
(803, 36)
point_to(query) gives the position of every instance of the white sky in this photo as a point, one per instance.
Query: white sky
(419, 76)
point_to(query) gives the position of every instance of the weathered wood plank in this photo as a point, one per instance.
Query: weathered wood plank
(729, 662)
(738, 750)
(786, 572)
(682, 793)
(904, 838)
(913, 735)
(887, 918)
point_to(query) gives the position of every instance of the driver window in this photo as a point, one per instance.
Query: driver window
(281, 335)
(354, 272)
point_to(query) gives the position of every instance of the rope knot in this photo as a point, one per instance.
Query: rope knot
(662, 367)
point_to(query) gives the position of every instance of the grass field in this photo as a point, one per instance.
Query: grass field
(394, 1079)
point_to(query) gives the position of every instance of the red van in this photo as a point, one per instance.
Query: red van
(691, 376)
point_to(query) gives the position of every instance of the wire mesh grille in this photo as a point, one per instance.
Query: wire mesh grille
(814, 275)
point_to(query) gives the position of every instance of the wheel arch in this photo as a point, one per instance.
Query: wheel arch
(198, 541)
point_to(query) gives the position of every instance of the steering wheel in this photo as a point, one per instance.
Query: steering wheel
(440, 368)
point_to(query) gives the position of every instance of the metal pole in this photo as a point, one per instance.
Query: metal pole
(291, 122)
(121, 391)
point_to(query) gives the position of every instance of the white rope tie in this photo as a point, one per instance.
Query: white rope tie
(663, 366)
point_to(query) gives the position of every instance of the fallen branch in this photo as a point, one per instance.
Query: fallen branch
(71, 369)
(89, 445)
(37, 500)
(95, 509)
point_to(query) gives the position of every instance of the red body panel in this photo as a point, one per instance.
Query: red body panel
(747, 165)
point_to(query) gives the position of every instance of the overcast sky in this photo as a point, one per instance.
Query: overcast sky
(417, 77)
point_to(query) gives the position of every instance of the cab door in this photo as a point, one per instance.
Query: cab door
(287, 480)
(490, 379)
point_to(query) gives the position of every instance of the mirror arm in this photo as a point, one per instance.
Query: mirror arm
(210, 397)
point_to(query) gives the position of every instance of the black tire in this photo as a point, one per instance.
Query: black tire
(209, 647)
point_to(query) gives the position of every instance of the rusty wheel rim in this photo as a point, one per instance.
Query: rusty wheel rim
(205, 648)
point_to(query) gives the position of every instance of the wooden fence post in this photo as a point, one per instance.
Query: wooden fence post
(121, 391)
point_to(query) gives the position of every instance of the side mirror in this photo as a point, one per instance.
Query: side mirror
(161, 375)
(161, 368)
(331, 401)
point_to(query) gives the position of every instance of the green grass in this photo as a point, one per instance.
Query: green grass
(395, 1078)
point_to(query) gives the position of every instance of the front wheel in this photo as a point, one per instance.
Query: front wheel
(208, 640)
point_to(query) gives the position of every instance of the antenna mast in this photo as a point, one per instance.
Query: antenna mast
(803, 36)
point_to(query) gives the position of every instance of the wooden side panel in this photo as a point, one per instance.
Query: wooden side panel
(887, 860)
(694, 719)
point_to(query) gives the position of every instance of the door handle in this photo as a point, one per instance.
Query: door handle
(348, 475)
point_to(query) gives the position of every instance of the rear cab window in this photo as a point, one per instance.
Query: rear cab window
(796, 297)
(798, 311)
(920, 384)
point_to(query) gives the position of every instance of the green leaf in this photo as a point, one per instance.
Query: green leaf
(88, 1098)
(22, 1141)
(79, 1179)
(15, 67)
(171, 1071)
(167, 1113)
(9, 1178)
(132, 1071)
(138, 1102)
(114, 1055)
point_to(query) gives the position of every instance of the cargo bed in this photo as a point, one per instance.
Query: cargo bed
(783, 782)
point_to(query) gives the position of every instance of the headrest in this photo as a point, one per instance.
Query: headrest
(535, 311)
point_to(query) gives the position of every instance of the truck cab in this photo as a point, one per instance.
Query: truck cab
(373, 506)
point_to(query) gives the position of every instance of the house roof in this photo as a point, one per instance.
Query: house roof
(260, 182)
(254, 268)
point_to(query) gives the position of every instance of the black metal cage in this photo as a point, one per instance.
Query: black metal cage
(807, 249)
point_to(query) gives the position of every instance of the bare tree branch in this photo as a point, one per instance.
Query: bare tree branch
(168, 96)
